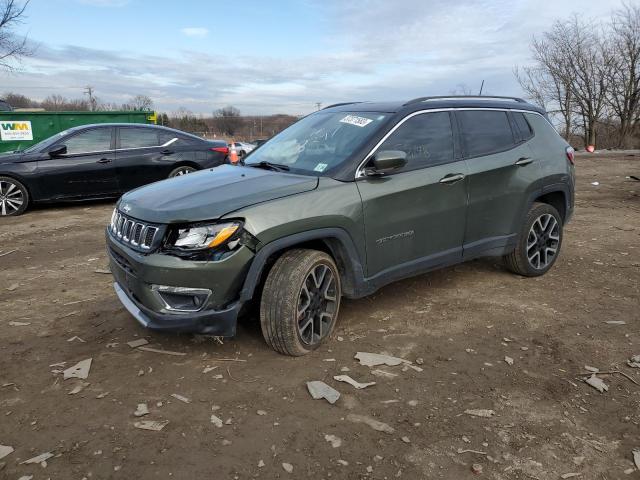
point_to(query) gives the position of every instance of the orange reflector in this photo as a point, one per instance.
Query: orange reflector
(223, 235)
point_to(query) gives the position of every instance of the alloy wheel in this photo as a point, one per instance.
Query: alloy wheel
(184, 171)
(543, 241)
(317, 304)
(11, 198)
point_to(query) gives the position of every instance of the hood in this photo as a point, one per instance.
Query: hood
(210, 194)
(10, 157)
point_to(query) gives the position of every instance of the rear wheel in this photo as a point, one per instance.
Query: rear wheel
(300, 301)
(539, 242)
(14, 197)
(182, 170)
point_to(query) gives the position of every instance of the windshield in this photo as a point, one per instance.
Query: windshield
(319, 142)
(40, 146)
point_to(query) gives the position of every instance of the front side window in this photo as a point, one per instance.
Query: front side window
(485, 131)
(138, 137)
(319, 142)
(95, 140)
(427, 139)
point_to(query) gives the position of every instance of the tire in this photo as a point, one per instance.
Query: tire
(291, 283)
(181, 170)
(539, 242)
(14, 197)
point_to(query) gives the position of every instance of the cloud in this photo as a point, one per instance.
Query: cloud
(427, 52)
(195, 31)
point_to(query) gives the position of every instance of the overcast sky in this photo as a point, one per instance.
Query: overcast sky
(280, 56)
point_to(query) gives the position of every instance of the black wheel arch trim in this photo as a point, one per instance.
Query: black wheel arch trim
(338, 241)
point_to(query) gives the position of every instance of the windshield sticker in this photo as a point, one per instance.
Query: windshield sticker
(357, 121)
(321, 167)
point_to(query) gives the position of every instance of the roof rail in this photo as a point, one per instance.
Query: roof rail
(339, 104)
(477, 97)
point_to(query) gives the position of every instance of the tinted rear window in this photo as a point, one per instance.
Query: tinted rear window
(485, 132)
(523, 126)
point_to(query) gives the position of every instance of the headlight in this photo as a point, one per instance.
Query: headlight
(203, 237)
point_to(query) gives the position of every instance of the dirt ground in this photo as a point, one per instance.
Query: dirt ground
(461, 322)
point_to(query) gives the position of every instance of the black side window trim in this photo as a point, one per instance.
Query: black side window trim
(519, 133)
(63, 141)
(515, 139)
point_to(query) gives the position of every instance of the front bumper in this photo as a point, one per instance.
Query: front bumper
(137, 276)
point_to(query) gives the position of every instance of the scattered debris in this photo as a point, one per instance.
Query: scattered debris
(102, 270)
(375, 424)
(74, 338)
(382, 373)
(329, 360)
(216, 421)
(102, 395)
(634, 362)
(138, 343)
(319, 389)
(19, 324)
(13, 287)
(412, 403)
(5, 450)
(142, 410)
(78, 388)
(508, 360)
(375, 359)
(480, 412)
(405, 439)
(333, 440)
(636, 457)
(153, 425)
(461, 451)
(615, 322)
(260, 464)
(181, 398)
(79, 370)
(476, 468)
(344, 463)
(419, 360)
(208, 369)
(591, 369)
(43, 457)
(386, 402)
(352, 382)
(595, 184)
(166, 352)
(570, 475)
(287, 467)
(7, 253)
(261, 412)
(597, 383)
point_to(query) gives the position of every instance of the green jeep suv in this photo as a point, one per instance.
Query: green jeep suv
(344, 201)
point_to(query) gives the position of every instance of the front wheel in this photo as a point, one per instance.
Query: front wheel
(300, 301)
(14, 197)
(182, 170)
(538, 243)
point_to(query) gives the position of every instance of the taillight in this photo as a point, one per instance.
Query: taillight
(570, 155)
(224, 150)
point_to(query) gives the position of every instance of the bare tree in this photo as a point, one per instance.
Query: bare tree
(624, 79)
(12, 46)
(228, 120)
(54, 103)
(139, 102)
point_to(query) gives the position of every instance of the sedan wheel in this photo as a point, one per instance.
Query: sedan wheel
(13, 197)
(184, 170)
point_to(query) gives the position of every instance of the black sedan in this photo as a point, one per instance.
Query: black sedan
(100, 161)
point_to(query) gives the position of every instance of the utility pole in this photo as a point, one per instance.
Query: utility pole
(318, 104)
(92, 102)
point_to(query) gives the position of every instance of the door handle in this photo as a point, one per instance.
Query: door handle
(104, 160)
(166, 151)
(524, 161)
(452, 178)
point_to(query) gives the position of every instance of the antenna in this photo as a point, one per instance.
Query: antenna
(481, 87)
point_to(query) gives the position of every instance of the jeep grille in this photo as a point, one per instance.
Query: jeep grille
(132, 232)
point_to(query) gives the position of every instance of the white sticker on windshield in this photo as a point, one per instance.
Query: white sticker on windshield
(320, 167)
(357, 121)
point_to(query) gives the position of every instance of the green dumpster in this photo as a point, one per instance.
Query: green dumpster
(20, 129)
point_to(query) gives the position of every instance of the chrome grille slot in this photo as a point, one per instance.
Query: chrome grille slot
(133, 232)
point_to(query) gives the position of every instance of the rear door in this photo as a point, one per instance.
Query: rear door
(503, 176)
(86, 170)
(141, 158)
(414, 218)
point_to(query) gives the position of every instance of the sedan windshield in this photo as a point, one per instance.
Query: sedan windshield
(317, 143)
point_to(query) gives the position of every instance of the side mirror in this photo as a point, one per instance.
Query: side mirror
(385, 161)
(57, 151)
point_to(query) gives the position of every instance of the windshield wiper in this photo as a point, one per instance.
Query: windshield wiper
(269, 166)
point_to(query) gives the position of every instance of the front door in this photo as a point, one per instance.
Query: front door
(414, 218)
(86, 170)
